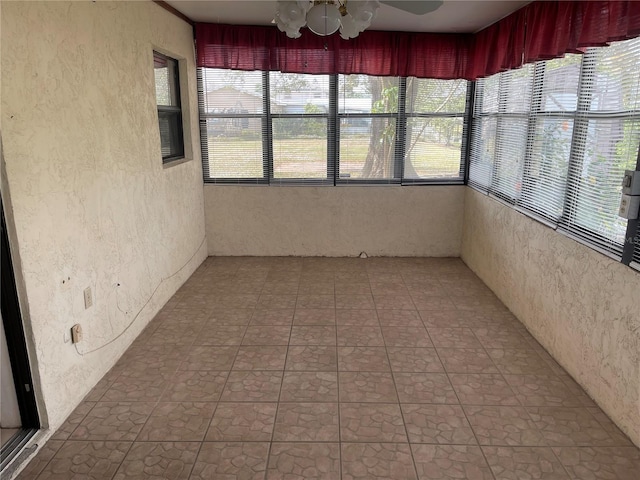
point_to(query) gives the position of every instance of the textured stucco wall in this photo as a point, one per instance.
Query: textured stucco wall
(85, 190)
(334, 221)
(581, 305)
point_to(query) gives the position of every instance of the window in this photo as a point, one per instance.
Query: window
(169, 112)
(283, 128)
(554, 138)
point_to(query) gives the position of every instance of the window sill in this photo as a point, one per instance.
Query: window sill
(174, 162)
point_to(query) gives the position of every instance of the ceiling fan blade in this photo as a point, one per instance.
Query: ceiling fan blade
(415, 7)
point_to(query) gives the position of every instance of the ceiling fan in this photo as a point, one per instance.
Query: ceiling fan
(351, 17)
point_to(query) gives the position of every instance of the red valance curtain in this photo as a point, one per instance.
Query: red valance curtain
(540, 30)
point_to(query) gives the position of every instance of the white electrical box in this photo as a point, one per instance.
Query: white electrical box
(631, 182)
(629, 206)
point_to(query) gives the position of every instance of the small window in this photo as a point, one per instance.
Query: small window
(169, 111)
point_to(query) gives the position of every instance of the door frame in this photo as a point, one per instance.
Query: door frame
(14, 331)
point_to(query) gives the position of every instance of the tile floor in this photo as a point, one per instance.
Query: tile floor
(287, 368)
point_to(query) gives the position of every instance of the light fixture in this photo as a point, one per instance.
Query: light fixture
(326, 17)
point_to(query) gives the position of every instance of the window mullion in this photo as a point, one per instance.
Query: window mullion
(267, 130)
(534, 110)
(578, 138)
(401, 130)
(467, 129)
(333, 134)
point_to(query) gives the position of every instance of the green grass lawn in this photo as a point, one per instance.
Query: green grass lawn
(307, 157)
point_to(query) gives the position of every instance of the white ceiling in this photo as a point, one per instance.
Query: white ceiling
(453, 16)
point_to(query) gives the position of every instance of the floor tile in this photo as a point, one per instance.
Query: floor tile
(343, 287)
(367, 387)
(519, 361)
(155, 460)
(450, 462)
(269, 335)
(504, 426)
(197, 386)
(304, 461)
(136, 387)
(277, 301)
(544, 391)
(424, 388)
(314, 316)
(220, 335)
(360, 336)
(232, 316)
(516, 463)
(309, 387)
(363, 359)
(377, 460)
(418, 360)
(355, 301)
(454, 338)
(81, 460)
(242, 422)
(371, 422)
(177, 421)
(393, 302)
(406, 337)
(600, 463)
(260, 358)
(617, 436)
(312, 358)
(209, 358)
(428, 302)
(73, 420)
(307, 422)
(482, 389)
(316, 301)
(279, 316)
(400, 318)
(231, 460)
(313, 335)
(500, 337)
(117, 421)
(466, 360)
(382, 354)
(40, 460)
(362, 318)
(564, 426)
(252, 386)
(321, 288)
(443, 424)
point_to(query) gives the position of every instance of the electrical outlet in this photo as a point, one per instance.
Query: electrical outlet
(88, 298)
(76, 333)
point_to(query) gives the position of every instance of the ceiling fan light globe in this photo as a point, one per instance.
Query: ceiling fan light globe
(324, 19)
(349, 28)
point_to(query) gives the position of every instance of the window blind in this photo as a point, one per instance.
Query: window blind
(287, 128)
(605, 143)
(555, 138)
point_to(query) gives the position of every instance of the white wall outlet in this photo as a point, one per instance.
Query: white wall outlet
(629, 206)
(88, 298)
(76, 333)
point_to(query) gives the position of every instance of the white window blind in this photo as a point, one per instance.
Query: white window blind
(283, 129)
(555, 137)
(606, 138)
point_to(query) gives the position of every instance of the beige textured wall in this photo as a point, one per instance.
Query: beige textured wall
(334, 221)
(88, 198)
(581, 305)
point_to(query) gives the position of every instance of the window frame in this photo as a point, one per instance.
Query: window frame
(333, 118)
(172, 111)
(580, 116)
